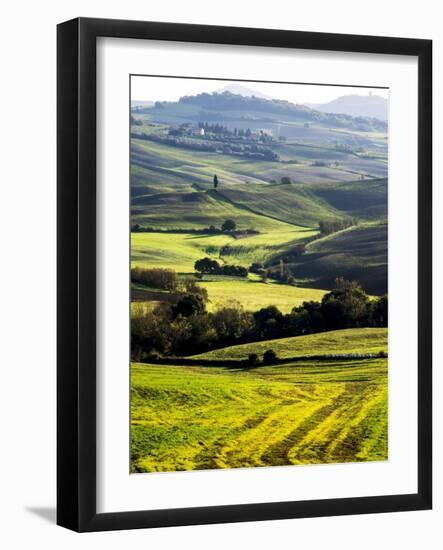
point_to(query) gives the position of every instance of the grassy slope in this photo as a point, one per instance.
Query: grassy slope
(189, 418)
(254, 295)
(290, 203)
(158, 170)
(197, 210)
(355, 340)
(178, 251)
(359, 199)
(262, 247)
(348, 163)
(182, 249)
(357, 253)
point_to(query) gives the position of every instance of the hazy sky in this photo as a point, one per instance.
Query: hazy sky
(149, 88)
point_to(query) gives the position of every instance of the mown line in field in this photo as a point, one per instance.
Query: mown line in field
(277, 454)
(192, 419)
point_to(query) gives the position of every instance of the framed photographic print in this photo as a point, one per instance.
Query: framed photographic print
(236, 209)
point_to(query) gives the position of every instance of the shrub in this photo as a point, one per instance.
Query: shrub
(253, 359)
(256, 267)
(269, 357)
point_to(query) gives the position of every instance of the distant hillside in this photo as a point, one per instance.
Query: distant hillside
(356, 106)
(227, 106)
(239, 89)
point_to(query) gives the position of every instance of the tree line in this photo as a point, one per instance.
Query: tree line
(137, 228)
(186, 327)
(227, 101)
(212, 267)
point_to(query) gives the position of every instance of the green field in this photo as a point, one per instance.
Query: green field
(174, 251)
(179, 251)
(194, 418)
(254, 295)
(347, 341)
(250, 293)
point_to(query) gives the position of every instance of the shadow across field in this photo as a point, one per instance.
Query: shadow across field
(244, 363)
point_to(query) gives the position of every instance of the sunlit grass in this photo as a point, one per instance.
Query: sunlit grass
(254, 294)
(186, 418)
(348, 341)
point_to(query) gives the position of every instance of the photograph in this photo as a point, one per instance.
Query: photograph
(258, 274)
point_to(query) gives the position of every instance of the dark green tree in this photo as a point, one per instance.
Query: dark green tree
(268, 322)
(206, 265)
(378, 312)
(215, 181)
(346, 306)
(229, 225)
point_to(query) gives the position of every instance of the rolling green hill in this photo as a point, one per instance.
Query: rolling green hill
(311, 163)
(352, 341)
(358, 253)
(366, 200)
(290, 203)
(199, 210)
(173, 189)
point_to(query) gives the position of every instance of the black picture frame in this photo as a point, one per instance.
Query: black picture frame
(76, 342)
